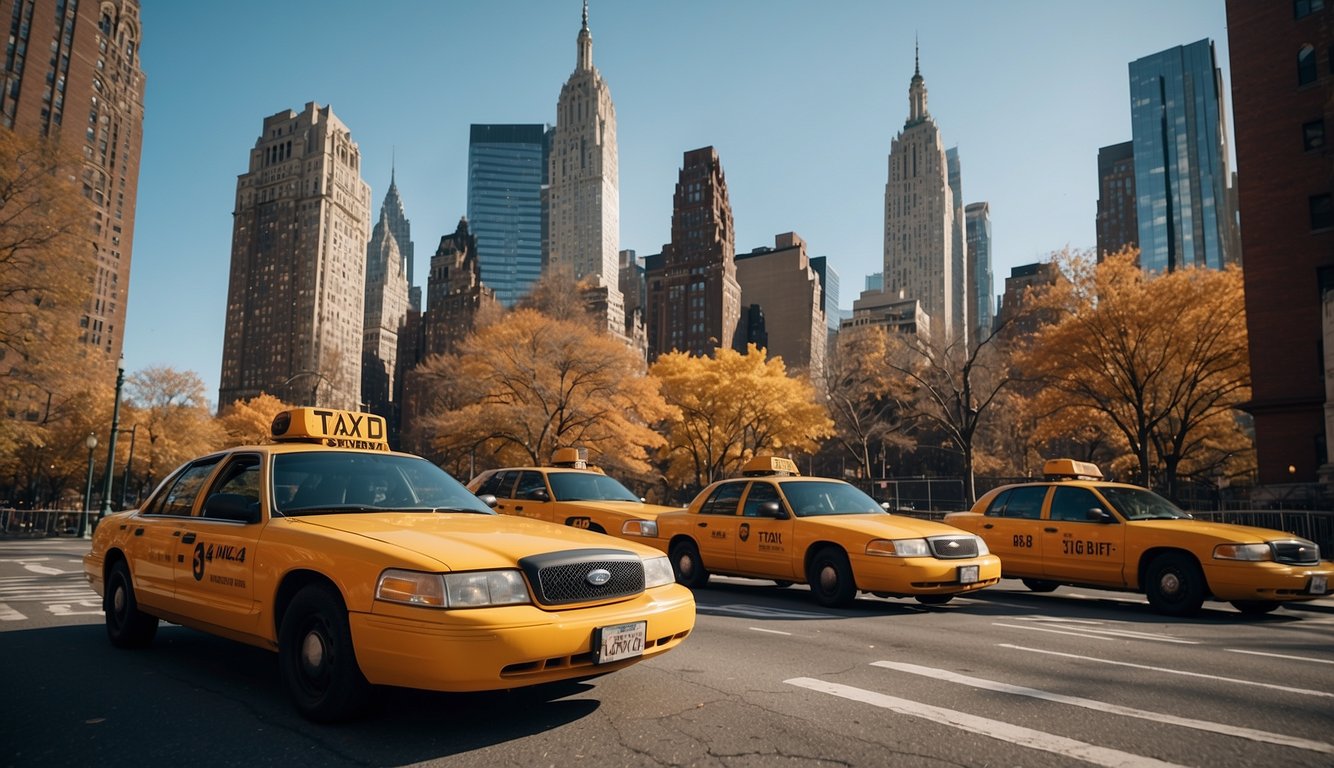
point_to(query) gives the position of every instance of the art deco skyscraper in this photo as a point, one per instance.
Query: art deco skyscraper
(584, 193)
(386, 311)
(396, 222)
(694, 300)
(1186, 198)
(296, 294)
(72, 73)
(919, 217)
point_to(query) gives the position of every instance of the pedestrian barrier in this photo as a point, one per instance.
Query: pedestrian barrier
(41, 523)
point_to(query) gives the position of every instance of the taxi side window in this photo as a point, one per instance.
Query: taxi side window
(179, 499)
(498, 485)
(1024, 502)
(239, 478)
(759, 494)
(1073, 504)
(724, 500)
(529, 482)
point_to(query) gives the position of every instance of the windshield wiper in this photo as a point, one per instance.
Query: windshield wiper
(469, 510)
(332, 509)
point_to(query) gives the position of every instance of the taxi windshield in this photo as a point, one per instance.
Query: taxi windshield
(816, 498)
(1140, 504)
(587, 486)
(327, 482)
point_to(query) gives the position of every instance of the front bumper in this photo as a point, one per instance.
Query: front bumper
(509, 647)
(908, 576)
(1236, 580)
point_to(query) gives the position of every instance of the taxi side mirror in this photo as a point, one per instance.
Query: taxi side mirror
(885, 505)
(1099, 515)
(488, 499)
(773, 509)
(232, 506)
(538, 494)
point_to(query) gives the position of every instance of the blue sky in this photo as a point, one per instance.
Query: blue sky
(801, 98)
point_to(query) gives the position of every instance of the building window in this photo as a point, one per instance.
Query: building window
(1322, 212)
(1306, 65)
(1313, 135)
(1302, 8)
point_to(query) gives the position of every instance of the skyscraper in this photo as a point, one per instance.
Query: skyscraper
(507, 168)
(694, 300)
(296, 294)
(781, 282)
(72, 73)
(978, 217)
(1118, 223)
(584, 195)
(1183, 184)
(396, 223)
(919, 217)
(961, 267)
(387, 304)
(828, 290)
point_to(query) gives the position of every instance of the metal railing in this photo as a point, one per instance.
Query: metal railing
(41, 523)
(1316, 525)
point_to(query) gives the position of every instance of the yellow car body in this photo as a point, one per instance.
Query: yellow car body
(1080, 530)
(773, 524)
(387, 563)
(579, 498)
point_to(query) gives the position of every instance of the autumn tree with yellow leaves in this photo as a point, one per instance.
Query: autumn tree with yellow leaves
(521, 387)
(1160, 360)
(173, 423)
(730, 407)
(250, 422)
(867, 406)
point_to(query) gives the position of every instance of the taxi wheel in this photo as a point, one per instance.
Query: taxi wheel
(1040, 585)
(1255, 607)
(317, 659)
(689, 567)
(933, 599)
(127, 626)
(830, 577)
(1174, 584)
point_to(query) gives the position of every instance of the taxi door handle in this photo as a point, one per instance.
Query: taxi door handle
(702, 525)
(188, 538)
(1051, 530)
(989, 526)
(518, 509)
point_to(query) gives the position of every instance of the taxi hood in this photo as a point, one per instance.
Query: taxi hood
(881, 526)
(634, 508)
(464, 541)
(1223, 532)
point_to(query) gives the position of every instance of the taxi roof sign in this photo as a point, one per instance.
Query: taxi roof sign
(769, 465)
(574, 458)
(332, 428)
(1071, 469)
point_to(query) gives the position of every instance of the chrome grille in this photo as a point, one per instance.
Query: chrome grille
(953, 547)
(561, 578)
(1296, 552)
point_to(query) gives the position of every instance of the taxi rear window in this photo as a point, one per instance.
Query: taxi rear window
(1024, 501)
(724, 500)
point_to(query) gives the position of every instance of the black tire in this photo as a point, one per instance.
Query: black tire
(830, 577)
(1040, 585)
(933, 599)
(688, 565)
(127, 626)
(1255, 607)
(1174, 584)
(318, 662)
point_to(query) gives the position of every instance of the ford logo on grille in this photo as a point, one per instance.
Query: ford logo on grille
(598, 577)
(952, 544)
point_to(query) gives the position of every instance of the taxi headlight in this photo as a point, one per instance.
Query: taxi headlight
(982, 548)
(646, 528)
(452, 590)
(899, 548)
(1243, 552)
(658, 572)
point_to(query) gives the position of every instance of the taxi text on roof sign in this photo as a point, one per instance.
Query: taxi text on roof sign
(769, 465)
(333, 428)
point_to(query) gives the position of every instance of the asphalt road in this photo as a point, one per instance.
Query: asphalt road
(1006, 677)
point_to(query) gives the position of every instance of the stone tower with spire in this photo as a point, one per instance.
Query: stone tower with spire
(388, 299)
(584, 192)
(919, 217)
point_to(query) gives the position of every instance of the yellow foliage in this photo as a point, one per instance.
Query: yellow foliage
(248, 422)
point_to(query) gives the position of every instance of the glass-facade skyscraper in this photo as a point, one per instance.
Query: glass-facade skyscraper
(978, 217)
(1185, 196)
(507, 169)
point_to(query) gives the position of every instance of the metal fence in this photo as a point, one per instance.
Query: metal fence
(41, 523)
(1316, 525)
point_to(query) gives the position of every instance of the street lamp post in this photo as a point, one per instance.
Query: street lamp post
(125, 479)
(91, 442)
(105, 509)
(314, 387)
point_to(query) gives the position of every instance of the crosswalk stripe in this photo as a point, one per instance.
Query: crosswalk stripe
(1157, 717)
(9, 614)
(1015, 734)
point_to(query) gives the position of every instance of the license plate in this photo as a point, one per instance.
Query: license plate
(968, 574)
(622, 641)
(1319, 584)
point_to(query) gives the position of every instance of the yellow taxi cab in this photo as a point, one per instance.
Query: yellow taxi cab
(772, 523)
(1075, 528)
(362, 566)
(570, 492)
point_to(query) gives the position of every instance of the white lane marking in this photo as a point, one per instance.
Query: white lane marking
(45, 570)
(1056, 619)
(761, 612)
(770, 631)
(9, 614)
(1046, 629)
(1302, 691)
(1281, 656)
(67, 609)
(1015, 734)
(1107, 598)
(1116, 709)
(1127, 633)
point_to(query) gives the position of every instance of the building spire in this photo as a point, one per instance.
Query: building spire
(585, 43)
(916, 90)
(393, 161)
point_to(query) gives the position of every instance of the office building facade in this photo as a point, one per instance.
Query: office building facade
(978, 223)
(507, 170)
(782, 283)
(296, 291)
(1117, 219)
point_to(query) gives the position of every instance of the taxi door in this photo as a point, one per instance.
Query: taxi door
(215, 581)
(532, 498)
(717, 526)
(155, 549)
(764, 543)
(1012, 528)
(1078, 544)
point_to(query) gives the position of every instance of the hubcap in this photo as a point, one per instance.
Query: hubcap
(1170, 583)
(687, 566)
(118, 601)
(312, 652)
(828, 578)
